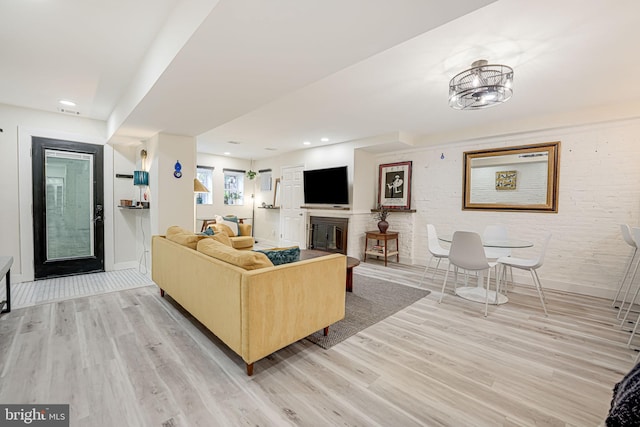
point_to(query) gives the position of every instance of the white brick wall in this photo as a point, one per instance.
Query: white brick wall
(599, 189)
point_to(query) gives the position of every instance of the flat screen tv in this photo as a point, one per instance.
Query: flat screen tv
(328, 186)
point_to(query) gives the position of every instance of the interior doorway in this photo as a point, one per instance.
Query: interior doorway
(292, 219)
(68, 207)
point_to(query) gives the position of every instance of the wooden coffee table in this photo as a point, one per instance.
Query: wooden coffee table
(351, 262)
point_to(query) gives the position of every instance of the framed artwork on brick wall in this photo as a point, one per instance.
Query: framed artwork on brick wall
(394, 186)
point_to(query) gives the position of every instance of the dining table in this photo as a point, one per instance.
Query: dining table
(479, 292)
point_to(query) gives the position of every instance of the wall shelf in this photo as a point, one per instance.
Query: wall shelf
(133, 207)
(333, 208)
(396, 210)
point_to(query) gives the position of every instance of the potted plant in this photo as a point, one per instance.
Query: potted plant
(381, 215)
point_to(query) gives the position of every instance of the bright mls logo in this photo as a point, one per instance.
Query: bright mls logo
(34, 415)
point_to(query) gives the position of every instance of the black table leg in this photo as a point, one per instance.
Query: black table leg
(7, 309)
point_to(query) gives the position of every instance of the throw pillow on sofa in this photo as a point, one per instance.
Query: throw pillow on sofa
(233, 219)
(232, 225)
(280, 256)
(208, 232)
(249, 260)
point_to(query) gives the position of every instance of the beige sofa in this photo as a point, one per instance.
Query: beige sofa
(256, 309)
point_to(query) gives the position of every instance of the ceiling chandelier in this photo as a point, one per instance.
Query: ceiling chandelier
(481, 86)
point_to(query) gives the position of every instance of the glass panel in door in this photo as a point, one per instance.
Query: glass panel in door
(69, 205)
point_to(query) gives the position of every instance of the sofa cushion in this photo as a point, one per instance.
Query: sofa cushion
(249, 260)
(222, 237)
(242, 242)
(183, 236)
(280, 256)
(220, 227)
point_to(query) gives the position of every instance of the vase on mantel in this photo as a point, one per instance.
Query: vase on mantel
(383, 226)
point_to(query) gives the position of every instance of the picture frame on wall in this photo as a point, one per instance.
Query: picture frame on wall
(394, 185)
(506, 180)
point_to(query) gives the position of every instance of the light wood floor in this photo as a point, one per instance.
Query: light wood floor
(131, 358)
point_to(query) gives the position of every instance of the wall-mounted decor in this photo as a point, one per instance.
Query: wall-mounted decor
(488, 173)
(178, 169)
(506, 180)
(276, 194)
(394, 186)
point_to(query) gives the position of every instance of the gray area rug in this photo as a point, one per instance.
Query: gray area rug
(371, 301)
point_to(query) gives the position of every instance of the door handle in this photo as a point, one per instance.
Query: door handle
(98, 213)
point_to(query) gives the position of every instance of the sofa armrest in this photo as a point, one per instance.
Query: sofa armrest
(244, 229)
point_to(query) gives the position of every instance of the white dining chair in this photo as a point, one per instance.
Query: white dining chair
(635, 234)
(529, 264)
(625, 230)
(497, 232)
(435, 250)
(467, 253)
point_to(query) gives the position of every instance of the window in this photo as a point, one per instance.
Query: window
(265, 179)
(233, 187)
(205, 176)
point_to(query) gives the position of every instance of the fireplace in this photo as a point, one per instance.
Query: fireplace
(328, 234)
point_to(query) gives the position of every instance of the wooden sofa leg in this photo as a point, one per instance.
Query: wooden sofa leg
(326, 331)
(162, 292)
(249, 369)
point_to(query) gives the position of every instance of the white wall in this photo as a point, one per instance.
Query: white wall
(599, 189)
(16, 228)
(131, 227)
(171, 199)
(267, 222)
(362, 170)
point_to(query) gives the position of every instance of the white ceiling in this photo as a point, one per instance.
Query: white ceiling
(274, 74)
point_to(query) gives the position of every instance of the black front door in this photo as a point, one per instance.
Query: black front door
(68, 225)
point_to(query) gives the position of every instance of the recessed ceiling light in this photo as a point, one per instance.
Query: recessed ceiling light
(226, 153)
(67, 103)
(306, 143)
(324, 139)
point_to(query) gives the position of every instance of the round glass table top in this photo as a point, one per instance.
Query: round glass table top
(508, 243)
